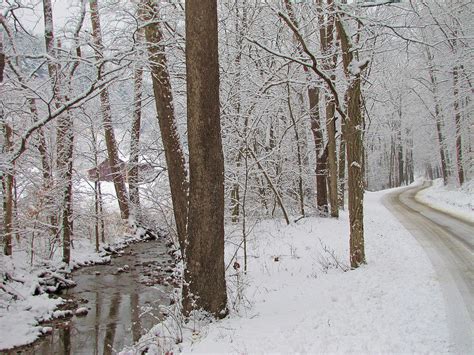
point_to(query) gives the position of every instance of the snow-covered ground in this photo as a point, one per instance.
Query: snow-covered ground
(453, 200)
(298, 296)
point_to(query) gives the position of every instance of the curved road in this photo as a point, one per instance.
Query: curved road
(449, 243)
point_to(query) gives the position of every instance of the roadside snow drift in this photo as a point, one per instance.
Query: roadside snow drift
(455, 201)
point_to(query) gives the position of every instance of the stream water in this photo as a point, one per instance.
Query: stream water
(122, 305)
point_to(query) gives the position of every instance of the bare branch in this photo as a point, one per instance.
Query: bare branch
(326, 78)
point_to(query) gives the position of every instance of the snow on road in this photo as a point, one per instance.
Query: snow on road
(296, 298)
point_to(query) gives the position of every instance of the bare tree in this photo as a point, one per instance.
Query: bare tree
(316, 128)
(162, 91)
(65, 135)
(110, 141)
(134, 170)
(326, 38)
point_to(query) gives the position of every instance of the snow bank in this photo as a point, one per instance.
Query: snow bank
(298, 296)
(20, 310)
(453, 200)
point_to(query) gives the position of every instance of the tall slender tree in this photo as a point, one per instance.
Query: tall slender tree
(65, 135)
(326, 38)
(316, 128)
(134, 171)
(174, 155)
(106, 110)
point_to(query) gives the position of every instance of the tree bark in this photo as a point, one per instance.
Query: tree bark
(353, 134)
(2, 59)
(342, 167)
(204, 254)
(326, 36)
(321, 186)
(174, 155)
(133, 172)
(400, 159)
(110, 141)
(7, 185)
(332, 157)
(457, 121)
(65, 135)
(298, 154)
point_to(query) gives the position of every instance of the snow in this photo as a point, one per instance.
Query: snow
(19, 320)
(453, 200)
(298, 296)
(356, 66)
(81, 311)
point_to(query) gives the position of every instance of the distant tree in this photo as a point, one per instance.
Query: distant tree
(321, 155)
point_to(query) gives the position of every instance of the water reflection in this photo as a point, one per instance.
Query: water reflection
(121, 308)
(112, 325)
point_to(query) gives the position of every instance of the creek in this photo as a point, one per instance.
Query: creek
(122, 305)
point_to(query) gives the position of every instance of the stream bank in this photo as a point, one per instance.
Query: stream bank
(124, 299)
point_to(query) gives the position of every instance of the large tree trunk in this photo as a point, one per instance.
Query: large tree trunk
(204, 254)
(7, 185)
(110, 142)
(353, 135)
(174, 155)
(321, 186)
(356, 178)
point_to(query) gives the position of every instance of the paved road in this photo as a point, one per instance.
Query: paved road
(449, 243)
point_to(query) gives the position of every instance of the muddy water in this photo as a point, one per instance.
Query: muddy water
(122, 305)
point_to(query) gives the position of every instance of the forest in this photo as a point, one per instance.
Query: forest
(201, 121)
